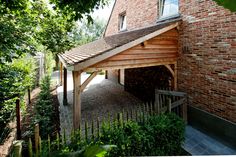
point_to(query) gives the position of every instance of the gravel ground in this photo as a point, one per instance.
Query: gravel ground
(100, 97)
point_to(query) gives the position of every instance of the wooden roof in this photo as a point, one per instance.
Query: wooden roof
(92, 53)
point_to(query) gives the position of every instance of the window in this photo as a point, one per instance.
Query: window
(122, 22)
(168, 8)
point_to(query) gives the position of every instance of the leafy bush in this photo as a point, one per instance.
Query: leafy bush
(44, 108)
(160, 135)
(15, 78)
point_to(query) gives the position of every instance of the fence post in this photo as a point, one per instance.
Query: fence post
(29, 97)
(17, 148)
(18, 118)
(157, 103)
(185, 110)
(86, 131)
(92, 130)
(36, 138)
(49, 144)
(30, 148)
(169, 105)
(98, 128)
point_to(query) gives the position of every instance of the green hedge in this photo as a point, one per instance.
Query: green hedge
(160, 135)
(44, 109)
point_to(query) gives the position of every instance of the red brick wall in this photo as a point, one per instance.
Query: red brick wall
(207, 63)
(207, 48)
(139, 13)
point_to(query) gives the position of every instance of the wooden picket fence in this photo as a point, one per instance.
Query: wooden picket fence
(165, 101)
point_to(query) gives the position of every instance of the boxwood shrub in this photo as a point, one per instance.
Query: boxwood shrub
(159, 135)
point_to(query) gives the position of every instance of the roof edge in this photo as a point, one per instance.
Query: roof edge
(104, 33)
(83, 65)
(68, 67)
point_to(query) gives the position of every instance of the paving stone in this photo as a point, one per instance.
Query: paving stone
(198, 143)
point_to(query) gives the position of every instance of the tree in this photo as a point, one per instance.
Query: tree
(87, 32)
(77, 9)
(228, 4)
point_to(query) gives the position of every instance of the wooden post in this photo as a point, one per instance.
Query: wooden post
(18, 119)
(175, 77)
(169, 105)
(157, 102)
(17, 148)
(65, 87)
(77, 100)
(36, 138)
(60, 80)
(29, 97)
(185, 110)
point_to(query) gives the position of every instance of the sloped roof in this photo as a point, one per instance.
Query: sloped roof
(105, 44)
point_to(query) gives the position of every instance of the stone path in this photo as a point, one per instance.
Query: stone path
(198, 143)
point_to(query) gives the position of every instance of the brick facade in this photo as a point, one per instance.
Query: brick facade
(207, 50)
(136, 16)
(207, 63)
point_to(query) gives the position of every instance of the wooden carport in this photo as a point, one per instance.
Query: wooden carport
(150, 46)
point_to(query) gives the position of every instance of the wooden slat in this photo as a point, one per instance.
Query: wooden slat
(149, 51)
(178, 103)
(140, 65)
(163, 42)
(132, 62)
(157, 46)
(172, 93)
(141, 56)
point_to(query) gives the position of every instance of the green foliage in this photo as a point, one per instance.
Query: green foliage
(15, 78)
(160, 135)
(87, 32)
(49, 63)
(228, 4)
(157, 135)
(44, 109)
(78, 9)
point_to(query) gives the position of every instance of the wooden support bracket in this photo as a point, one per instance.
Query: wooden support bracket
(171, 70)
(89, 79)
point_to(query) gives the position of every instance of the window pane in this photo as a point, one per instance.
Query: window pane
(169, 7)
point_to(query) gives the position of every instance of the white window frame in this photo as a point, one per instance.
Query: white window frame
(161, 8)
(122, 21)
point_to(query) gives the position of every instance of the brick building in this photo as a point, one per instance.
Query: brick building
(206, 55)
(188, 46)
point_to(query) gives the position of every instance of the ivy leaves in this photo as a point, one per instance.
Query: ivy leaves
(229, 4)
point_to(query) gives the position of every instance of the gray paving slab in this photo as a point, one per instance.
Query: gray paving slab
(198, 143)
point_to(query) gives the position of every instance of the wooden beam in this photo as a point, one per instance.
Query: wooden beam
(89, 79)
(175, 77)
(60, 79)
(135, 62)
(65, 87)
(128, 66)
(171, 70)
(77, 99)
